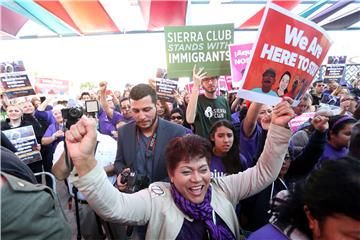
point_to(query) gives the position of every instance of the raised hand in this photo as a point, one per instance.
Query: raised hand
(103, 86)
(81, 142)
(198, 76)
(265, 122)
(283, 112)
(178, 98)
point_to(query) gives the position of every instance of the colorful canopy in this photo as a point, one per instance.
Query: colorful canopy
(23, 19)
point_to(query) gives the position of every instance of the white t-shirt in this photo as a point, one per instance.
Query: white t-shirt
(105, 155)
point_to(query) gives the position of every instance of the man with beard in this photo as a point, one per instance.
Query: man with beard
(206, 109)
(141, 143)
(140, 158)
(268, 80)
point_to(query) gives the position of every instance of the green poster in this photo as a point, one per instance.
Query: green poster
(205, 45)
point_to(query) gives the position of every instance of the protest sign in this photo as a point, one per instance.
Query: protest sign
(336, 60)
(285, 58)
(14, 80)
(240, 56)
(222, 84)
(298, 121)
(165, 89)
(51, 86)
(335, 68)
(206, 46)
(24, 140)
(334, 72)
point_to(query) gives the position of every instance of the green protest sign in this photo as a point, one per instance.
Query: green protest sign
(205, 45)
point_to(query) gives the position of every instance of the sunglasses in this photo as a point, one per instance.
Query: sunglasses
(176, 118)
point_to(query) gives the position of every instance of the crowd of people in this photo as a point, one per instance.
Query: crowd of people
(202, 166)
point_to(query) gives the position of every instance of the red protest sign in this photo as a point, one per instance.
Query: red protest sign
(288, 53)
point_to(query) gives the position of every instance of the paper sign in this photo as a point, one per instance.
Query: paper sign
(334, 72)
(165, 89)
(287, 54)
(240, 57)
(52, 86)
(206, 46)
(298, 121)
(14, 80)
(24, 140)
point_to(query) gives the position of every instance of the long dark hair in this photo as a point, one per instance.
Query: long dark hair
(231, 160)
(333, 189)
(289, 74)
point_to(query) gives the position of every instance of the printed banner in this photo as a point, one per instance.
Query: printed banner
(285, 59)
(334, 72)
(24, 140)
(298, 121)
(240, 56)
(165, 89)
(206, 46)
(52, 86)
(14, 80)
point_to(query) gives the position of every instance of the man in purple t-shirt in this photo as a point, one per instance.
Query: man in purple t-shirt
(108, 116)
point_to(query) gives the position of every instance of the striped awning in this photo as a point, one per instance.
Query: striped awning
(51, 18)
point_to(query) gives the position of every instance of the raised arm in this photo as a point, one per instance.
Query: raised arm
(105, 105)
(192, 105)
(305, 161)
(44, 104)
(251, 119)
(92, 181)
(255, 179)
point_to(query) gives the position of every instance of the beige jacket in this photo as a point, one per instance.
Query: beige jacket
(155, 205)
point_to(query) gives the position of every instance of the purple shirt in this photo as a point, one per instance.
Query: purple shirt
(45, 115)
(217, 168)
(53, 128)
(248, 145)
(235, 117)
(331, 154)
(267, 232)
(107, 125)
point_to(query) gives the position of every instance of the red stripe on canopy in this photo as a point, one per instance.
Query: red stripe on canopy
(254, 21)
(56, 8)
(89, 16)
(158, 14)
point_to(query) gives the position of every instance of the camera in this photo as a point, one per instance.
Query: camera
(71, 115)
(135, 182)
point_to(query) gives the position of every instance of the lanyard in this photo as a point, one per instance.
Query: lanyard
(152, 141)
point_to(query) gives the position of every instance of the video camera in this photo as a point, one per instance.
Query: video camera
(135, 182)
(73, 114)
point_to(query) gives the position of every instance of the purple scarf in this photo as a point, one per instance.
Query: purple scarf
(202, 212)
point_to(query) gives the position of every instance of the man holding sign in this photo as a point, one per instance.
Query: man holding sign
(204, 110)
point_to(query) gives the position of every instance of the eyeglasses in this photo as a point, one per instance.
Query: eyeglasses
(213, 79)
(176, 118)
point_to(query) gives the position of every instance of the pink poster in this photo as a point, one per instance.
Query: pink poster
(240, 56)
